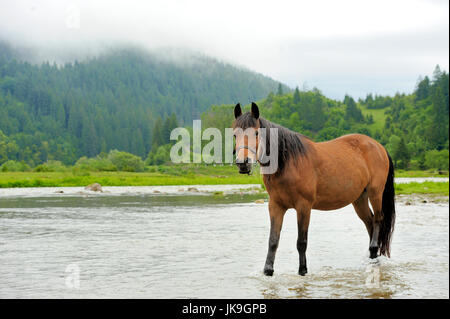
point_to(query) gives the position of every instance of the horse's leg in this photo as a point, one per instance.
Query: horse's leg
(362, 208)
(276, 213)
(303, 215)
(376, 199)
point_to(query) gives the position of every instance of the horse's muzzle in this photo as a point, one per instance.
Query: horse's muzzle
(245, 167)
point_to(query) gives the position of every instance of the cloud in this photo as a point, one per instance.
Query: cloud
(342, 47)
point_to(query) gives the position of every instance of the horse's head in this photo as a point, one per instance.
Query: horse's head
(245, 128)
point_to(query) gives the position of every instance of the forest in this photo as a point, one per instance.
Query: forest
(413, 127)
(113, 101)
(116, 111)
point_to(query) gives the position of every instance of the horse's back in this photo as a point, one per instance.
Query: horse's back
(357, 145)
(374, 154)
(346, 166)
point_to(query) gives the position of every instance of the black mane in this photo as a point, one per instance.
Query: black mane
(290, 143)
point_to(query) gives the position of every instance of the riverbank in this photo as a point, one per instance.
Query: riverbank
(152, 176)
(407, 182)
(426, 192)
(159, 178)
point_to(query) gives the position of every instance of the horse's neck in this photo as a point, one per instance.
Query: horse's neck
(303, 164)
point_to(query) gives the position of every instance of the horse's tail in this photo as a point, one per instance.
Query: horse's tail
(388, 210)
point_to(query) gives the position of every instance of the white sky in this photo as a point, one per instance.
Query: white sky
(343, 46)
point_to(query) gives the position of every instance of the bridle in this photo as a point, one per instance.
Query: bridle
(251, 149)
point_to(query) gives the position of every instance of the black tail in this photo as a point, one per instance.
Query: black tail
(388, 209)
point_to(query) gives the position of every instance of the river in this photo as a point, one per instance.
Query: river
(168, 242)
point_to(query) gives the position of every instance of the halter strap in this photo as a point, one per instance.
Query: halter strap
(246, 147)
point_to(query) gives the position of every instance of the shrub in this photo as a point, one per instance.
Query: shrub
(98, 163)
(159, 156)
(51, 166)
(14, 166)
(151, 169)
(437, 159)
(77, 171)
(125, 161)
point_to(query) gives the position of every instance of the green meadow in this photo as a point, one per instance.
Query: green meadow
(163, 175)
(185, 175)
(438, 188)
(379, 117)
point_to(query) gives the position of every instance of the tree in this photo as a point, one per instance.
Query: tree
(158, 156)
(280, 90)
(170, 123)
(352, 111)
(423, 89)
(317, 112)
(158, 134)
(439, 126)
(125, 161)
(437, 74)
(294, 122)
(296, 96)
(437, 159)
(392, 146)
(401, 154)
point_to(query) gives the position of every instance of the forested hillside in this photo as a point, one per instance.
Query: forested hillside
(414, 127)
(130, 100)
(63, 112)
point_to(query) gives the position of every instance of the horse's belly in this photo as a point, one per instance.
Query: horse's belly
(339, 195)
(330, 205)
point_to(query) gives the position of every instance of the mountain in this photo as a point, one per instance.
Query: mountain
(112, 101)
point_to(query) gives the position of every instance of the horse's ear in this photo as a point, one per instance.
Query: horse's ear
(255, 110)
(237, 110)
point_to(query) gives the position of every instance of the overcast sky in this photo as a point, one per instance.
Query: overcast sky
(341, 47)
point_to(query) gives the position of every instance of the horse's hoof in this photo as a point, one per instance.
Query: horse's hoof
(373, 252)
(303, 272)
(268, 272)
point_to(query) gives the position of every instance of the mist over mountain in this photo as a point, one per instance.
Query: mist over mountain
(342, 47)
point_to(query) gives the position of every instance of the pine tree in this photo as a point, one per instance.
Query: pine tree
(401, 154)
(158, 137)
(352, 111)
(439, 126)
(296, 96)
(280, 89)
(423, 89)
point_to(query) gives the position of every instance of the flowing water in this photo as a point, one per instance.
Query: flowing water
(179, 244)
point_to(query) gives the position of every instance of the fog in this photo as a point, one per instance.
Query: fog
(353, 47)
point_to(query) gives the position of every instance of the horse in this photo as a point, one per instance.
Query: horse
(351, 169)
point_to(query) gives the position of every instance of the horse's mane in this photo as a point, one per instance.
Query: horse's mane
(290, 143)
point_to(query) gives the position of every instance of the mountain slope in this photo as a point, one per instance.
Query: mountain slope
(109, 102)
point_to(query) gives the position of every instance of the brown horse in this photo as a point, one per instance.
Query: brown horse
(352, 169)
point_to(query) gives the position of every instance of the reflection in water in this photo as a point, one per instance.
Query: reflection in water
(209, 247)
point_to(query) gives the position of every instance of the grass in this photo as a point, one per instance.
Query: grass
(378, 117)
(428, 173)
(170, 175)
(441, 188)
(184, 175)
